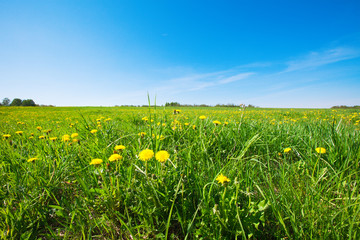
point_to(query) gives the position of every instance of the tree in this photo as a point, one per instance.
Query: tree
(5, 102)
(28, 102)
(16, 102)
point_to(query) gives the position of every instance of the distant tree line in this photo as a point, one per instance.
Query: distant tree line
(343, 106)
(176, 104)
(18, 102)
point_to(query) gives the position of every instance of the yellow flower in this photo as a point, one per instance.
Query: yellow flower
(146, 155)
(38, 128)
(93, 131)
(53, 138)
(320, 150)
(286, 150)
(96, 161)
(74, 135)
(6, 136)
(145, 119)
(142, 134)
(119, 147)
(202, 117)
(32, 159)
(47, 131)
(222, 179)
(216, 122)
(41, 137)
(76, 140)
(162, 156)
(159, 137)
(19, 132)
(66, 138)
(115, 157)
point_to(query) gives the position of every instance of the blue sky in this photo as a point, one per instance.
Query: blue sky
(106, 53)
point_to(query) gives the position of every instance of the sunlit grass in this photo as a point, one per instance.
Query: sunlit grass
(203, 173)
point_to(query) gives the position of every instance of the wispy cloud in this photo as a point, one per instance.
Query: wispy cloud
(316, 59)
(202, 81)
(235, 78)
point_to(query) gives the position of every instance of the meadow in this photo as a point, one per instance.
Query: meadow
(202, 173)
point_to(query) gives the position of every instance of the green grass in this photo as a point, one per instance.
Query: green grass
(301, 194)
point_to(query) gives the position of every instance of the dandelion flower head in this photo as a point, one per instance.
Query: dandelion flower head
(162, 156)
(202, 117)
(96, 161)
(286, 150)
(66, 138)
(320, 150)
(74, 135)
(217, 122)
(6, 136)
(119, 147)
(222, 179)
(115, 157)
(146, 154)
(32, 159)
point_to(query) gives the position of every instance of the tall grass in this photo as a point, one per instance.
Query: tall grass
(272, 194)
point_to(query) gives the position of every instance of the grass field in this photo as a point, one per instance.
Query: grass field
(204, 173)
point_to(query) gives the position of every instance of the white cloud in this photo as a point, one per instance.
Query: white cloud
(236, 77)
(197, 82)
(316, 59)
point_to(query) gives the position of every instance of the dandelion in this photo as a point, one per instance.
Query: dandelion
(32, 159)
(222, 179)
(66, 138)
(76, 140)
(142, 134)
(115, 157)
(74, 135)
(217, 122)
(145, 119)
(146, 155)
(53, 138)
(93, 131)
(286, 150)
(47, 131)
(19, 132)
(162, 156)
(38, 128)
(119, 147)
(6, 136)
(320, 150)
(41, 137)
(96, 161)
(202, 117)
